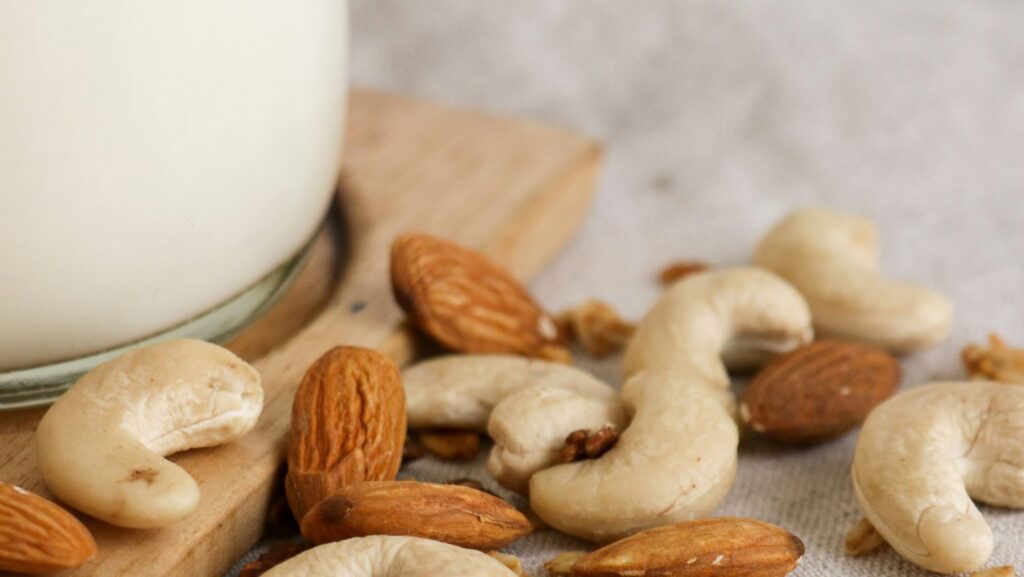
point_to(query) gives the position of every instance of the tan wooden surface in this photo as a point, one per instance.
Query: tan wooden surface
(512, 188)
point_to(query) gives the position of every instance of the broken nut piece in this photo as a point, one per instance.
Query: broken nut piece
(597, 327)
(862, 539)
(561, 565)
(510, 561)
(1004, 571)
(680, 269)
(997, 362)
(585, 444)
(451, 444)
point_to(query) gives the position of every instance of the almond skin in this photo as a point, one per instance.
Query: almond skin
(724, 547)
(348, 425)
(819, 391)
(454, 514)
(468, 303)
(38, 536)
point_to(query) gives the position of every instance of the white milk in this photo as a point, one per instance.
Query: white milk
(157, 157)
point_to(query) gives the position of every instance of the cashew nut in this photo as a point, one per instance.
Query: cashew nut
(528, 406)
(530, 426)
(677, 459)
(832, 258)
(923, 454)
(100, 447)
(386, 556)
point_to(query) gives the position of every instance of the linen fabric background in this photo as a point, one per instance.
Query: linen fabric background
(720, 117)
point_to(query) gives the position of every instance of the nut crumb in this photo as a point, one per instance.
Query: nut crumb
(510, 561)
(863, 539)
(277, 554)
(451, 444)
(561, 565)
(583, 444)
(680, 269)
(557, 354)
(997, 362)
(1004, 571)
(597, 327)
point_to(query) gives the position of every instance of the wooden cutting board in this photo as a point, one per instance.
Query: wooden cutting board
(513, 188)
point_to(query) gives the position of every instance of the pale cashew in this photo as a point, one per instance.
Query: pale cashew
(535, 405)
(832, 258)
(745, 309)
(530, 426)
(386, 556)
(677, 459)
(923, 454)
(460, 391)
(100, 447)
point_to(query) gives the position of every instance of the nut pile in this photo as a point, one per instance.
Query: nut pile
(637, 470)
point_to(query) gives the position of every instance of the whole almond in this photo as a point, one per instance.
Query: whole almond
(451, 513)
(38, 536)
(348, 425)
(819, 391)
(705, 547)
(468, 303)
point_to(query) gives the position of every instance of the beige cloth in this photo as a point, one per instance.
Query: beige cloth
(719, 117)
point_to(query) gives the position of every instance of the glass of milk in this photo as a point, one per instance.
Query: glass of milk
(163, 164)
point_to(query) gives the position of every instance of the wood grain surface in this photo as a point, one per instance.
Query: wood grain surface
(513, 188)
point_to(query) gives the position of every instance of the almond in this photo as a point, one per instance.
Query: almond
(819, 391)
(468, 303)
(705, 547)
(348, 425)
(39, 536)
(451, 513)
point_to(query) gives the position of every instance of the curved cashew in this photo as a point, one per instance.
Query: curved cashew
(742, 309)
(677, 459)
(923, 455)
(460, 391)
(528, 406)
(386, 556)
(529, 427)
(832, 258)
(100, 447)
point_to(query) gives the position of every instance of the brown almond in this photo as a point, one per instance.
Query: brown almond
(705, 548)
(819, 391)
(39, 536)
(467, 302)
(348, 425)
(450, 513)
